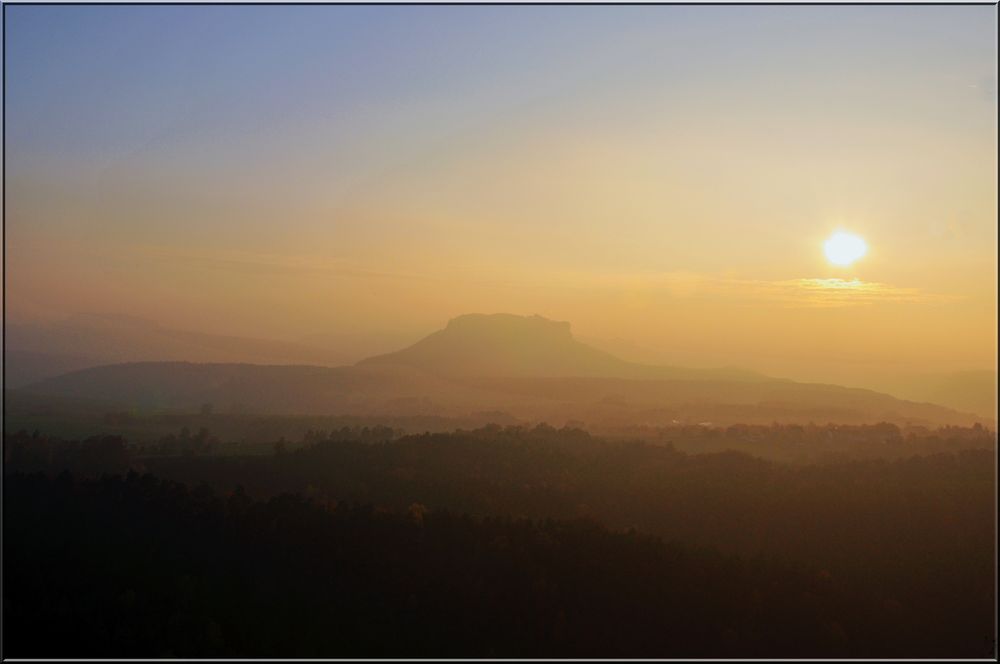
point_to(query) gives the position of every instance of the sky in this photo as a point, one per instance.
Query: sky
(660, 176)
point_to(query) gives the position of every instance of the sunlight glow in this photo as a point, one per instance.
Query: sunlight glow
(844, 248)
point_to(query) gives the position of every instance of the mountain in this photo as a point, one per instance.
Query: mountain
(246, 388)
(34, 351)
(528, 367)
(24, 367)
(505, 345)
(974, 391)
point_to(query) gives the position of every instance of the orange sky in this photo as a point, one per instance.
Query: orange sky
(661, 175)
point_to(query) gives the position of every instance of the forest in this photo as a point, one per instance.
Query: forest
(501, 541)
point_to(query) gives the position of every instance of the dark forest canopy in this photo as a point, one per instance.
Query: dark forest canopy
(901, 546)
(240, 433)
(136, 566)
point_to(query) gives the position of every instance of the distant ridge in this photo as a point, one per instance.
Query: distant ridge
(34, 351)
(528, 367)
(507, 345)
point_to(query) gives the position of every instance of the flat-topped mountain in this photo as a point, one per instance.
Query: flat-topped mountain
(525, 366)
(506, 345)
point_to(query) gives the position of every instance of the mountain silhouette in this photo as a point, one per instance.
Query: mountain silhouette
(506, 345)
(525, 366)
(34, 351)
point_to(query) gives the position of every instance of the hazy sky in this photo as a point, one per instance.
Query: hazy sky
(663, 174)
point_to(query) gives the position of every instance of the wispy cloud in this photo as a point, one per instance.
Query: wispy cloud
(841, 292)
(804, 292)
(808, 292)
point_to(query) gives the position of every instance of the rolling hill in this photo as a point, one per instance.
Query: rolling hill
(35, 351)
(529, 367)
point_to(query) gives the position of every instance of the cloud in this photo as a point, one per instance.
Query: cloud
(841, 292)
(806, 292)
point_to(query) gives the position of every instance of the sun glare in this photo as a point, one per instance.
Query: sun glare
(844, 248)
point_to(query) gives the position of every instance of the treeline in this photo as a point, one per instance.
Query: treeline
(257, 434)
(141, 567)
(77, 419)
(92, 456)
(926, 509)
(916, 533)
(813, 443)
(920, 530)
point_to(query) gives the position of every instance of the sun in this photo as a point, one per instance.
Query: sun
(844, 248)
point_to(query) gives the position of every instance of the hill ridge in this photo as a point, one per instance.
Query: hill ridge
(509, 345)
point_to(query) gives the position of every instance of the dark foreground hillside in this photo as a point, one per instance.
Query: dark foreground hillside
(926, 516)
(136, 566)
(187, 546)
